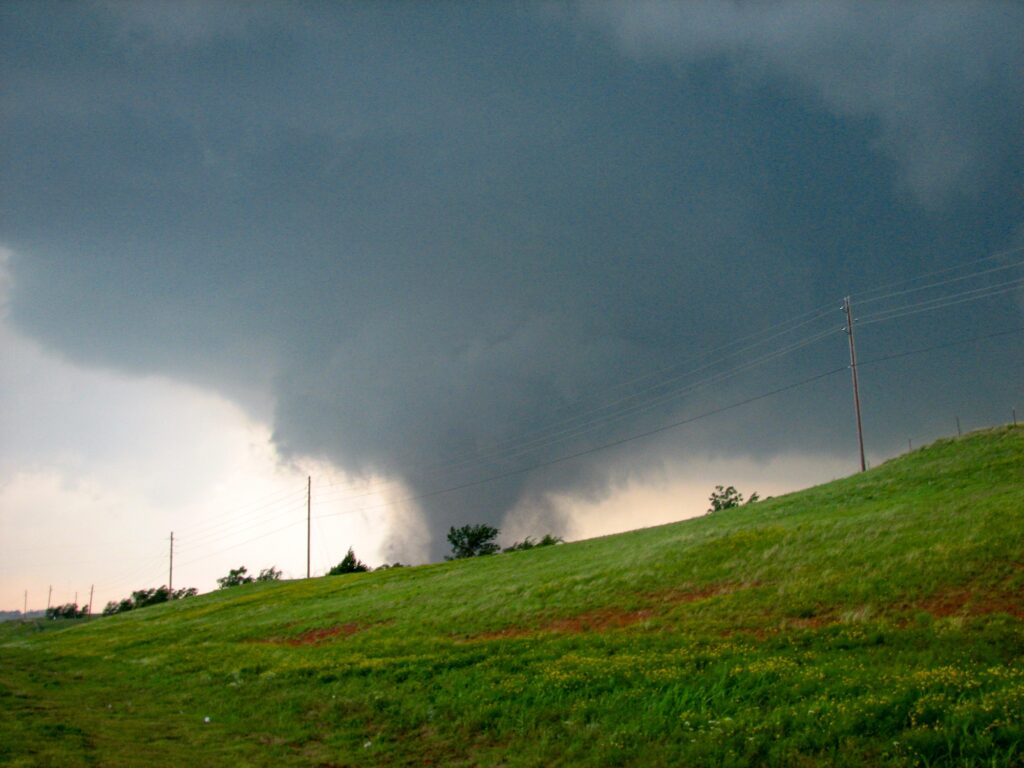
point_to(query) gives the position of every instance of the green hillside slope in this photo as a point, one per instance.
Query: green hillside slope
(874, 620)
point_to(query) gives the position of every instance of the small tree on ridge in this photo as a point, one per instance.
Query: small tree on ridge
(235, 577)
(349, 564)
(727, 498)
(472, 541)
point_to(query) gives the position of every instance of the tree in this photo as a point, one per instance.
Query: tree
(727, 498)
(546, 541)
(118, 606)
(142, 598)
(349, 564)
(66, 611)
(235, 577)
(472, 541)
(269, 574)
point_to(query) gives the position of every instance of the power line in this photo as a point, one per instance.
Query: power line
(943, 301)
(612, 444)
(242, 543)
(228, 517)
(960, 278)
(675, 424)
(228, 527)
(793, 324)
(547, 439)
(945, 345)
(862, 296)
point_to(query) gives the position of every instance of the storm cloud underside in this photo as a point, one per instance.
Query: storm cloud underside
(410, 236)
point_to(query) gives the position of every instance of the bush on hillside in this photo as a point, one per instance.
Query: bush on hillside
(236, 577)
(66, 611)
(547, 540)
(349, 564)
(727, 498)
(269, 574)
(142, 598)
(472, 541)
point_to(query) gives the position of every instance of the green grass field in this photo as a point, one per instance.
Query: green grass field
(875, 620)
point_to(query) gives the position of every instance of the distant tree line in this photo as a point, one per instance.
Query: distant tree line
(238, 576)
(67, 611)
(479, 540)
(143, 598)
(466, 541)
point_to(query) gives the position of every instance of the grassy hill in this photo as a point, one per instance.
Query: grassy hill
(874, 620)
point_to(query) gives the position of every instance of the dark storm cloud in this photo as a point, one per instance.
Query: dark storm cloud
(937, 77)
(423, 232)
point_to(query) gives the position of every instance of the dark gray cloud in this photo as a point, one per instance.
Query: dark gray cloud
(428, 234)
(938, 78)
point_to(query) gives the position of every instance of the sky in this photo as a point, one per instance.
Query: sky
(554, 267)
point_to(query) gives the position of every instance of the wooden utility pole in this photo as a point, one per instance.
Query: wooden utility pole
(49, 594)
(309, 519)
(856, 388)
(91, 588)
(170, 573)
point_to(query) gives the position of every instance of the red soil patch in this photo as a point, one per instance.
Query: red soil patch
(592, 621)
(812, 622)
(954, 602)
(965, 602)
(605, 619)
(678, 597)
(314, 636)
(598, 621)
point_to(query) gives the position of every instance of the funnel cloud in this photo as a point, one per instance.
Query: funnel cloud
(453, 245)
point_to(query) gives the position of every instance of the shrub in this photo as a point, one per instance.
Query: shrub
(269, 574)
(142, 598)
(472, 541)
(546, 541)
(727, 498)
(66, 611)
(235, 577)
(349, 564)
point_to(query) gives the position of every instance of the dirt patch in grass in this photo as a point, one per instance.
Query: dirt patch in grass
(591, 621)
(681, 597)
(604, 619)
(599, 621)
(314, 636)
(966, 602)
(962, 601)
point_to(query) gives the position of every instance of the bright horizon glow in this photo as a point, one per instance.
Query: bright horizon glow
(135, 458)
